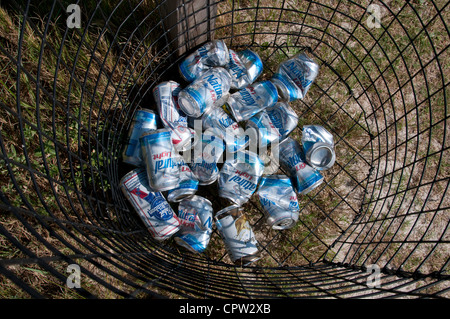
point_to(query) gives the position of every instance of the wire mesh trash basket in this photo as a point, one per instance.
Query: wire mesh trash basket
(74, 75)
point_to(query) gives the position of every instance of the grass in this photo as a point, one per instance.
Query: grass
(389, 129)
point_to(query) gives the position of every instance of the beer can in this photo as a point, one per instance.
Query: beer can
(244, 67)
(206, 157)
(266, 131)
(196, 218)
(239, 176)
(283, 117)
(211, 54)
(304, 177)
(196, 98)
(238, 236)
(223, 126)
(153, 209)
(166, 98)
(318, 146)
(252, 99)
(188, 183)
(143, 121)
(295, 76)
(160, 160)
(279, 201)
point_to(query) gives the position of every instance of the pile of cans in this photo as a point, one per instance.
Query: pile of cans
(218, 129)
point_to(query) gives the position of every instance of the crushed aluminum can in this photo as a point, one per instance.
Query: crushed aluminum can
(283, 118)
(304, 177)
(188, 183)
(211, 54)
(252, 99)
(143, 121)
(279, 201)
(166, 98)
(196, 218)
(153, 209)
(238, 236)
(223, 126)
(196, 98)
(160, 160)
(244, 67)
(239, 176)
(266, 131)
(204, 164)
(318, 146)
(294, 76)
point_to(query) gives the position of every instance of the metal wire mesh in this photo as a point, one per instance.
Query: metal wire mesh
(68, 96)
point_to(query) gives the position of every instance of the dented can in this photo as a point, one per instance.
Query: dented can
(244, 67)
(211, 54)
(188, 185)
(143, 121)
(222, 125)
(166, 98)
(196, 218)
(283, 117)
(153, 209)
(239, 176)
(318, 146)
(279, 201)
(304, 177)
(207, 154)
(295, 76)
(200, 95)
(160, 160)
(266, 131)
(246, 102)
(238, 235)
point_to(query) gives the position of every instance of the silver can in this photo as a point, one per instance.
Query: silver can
(246, 102)
(239, 176)
(283, 117)
(196, 218)
(200, 95)
(223, 126)
(244, 67)
(207, 154)
(304, 177)
(266, 131)
(188, 183)
(166, 98)
(143, 121)
(279, 201)
(211, 54)
(295, 76)
(153, 209)
(238, 236)
(160, 160)
(318, 146)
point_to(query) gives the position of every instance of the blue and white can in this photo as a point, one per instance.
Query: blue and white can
(196, 219)
(304, 177)
(266, 131)
(143, 121)
(211, 54)
(254, 98)
(244, 67)
(318, 146)
(188, 183)
(279, 201)
(160, 159)
(283, 117)
(200, 95)
(222, 125)
(239, 176)
(153, 209)
(295, 76)
(207, 154)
